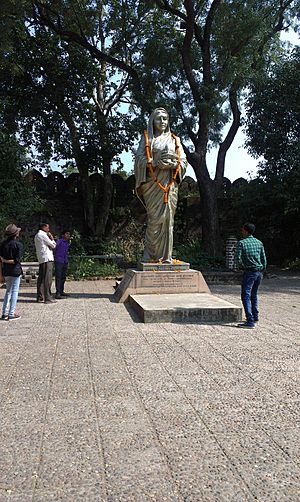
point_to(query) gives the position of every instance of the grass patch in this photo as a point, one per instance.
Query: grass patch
(84, 268)
(192, 253)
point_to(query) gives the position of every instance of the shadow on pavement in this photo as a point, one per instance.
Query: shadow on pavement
(280, 284)
(73, 296)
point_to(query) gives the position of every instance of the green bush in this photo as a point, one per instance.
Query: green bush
(192, 253)
(19, 200)
(77, 247)
(128, 241)
(29, 248)
(83, 268)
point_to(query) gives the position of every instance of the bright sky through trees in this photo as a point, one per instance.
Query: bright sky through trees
(238, 162)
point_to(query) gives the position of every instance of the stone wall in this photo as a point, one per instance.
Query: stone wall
(63, 196)
(64, 204)
(56, 186)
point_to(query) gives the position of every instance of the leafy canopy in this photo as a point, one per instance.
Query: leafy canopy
(273, 126)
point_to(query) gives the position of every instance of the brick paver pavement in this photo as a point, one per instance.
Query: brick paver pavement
(96, 406)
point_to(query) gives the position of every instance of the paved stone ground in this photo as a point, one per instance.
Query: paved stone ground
(96, 406)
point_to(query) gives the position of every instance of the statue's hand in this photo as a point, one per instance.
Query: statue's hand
(170, 156)
(163, 165)
(168, 160)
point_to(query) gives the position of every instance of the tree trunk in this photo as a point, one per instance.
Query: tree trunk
(102, 217)
(210, 218)
(209, 204)
(79, 156)
(87, 200)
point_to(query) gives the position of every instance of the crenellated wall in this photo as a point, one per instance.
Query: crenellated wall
(64, 203)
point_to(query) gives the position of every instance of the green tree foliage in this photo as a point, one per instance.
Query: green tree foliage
(195, 57)
(62, 101)
(273, 130)
(18, 200)
(266, 204)
(199, 57)
(273, 125)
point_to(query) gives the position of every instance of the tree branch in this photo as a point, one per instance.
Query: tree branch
(277, 27)
(186, 53)
(207, 78)
(116, 96)
(164, 5)
(225, 145)
(72, 36)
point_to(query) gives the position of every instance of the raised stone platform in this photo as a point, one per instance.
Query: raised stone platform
(163, 293)
(152, 282)
(188, 307)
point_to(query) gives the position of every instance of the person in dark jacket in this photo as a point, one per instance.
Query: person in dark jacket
(11, 251)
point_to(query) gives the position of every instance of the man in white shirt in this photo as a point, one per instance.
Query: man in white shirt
(44, 245)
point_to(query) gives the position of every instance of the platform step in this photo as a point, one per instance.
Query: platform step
(187, 307)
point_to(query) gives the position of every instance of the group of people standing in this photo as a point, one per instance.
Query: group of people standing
(250, 257)
(49, 252)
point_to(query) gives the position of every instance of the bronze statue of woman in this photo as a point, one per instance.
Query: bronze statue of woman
(159, 167)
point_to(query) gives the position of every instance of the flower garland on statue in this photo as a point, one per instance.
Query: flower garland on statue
(149, 164)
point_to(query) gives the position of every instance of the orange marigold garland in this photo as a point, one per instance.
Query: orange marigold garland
(149, 164)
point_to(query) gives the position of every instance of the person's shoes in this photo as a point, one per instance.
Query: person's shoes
(50, 301)
(4, 317)
(247, 325)
(39, 300)
(255, 320)
(58, 297)
(65, 295)
(14, 317)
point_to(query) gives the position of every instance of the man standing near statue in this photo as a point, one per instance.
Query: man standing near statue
(250, 257)
(44, 245)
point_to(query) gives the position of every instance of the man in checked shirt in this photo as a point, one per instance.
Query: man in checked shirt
(250, 257)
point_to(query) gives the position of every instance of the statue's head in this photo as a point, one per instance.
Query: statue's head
(158, 122)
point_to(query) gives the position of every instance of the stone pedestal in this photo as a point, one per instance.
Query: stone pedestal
(165, 293)
(137, 282)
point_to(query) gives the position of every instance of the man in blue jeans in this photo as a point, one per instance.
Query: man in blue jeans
(11, 251)
(250, 257)
(61, 260)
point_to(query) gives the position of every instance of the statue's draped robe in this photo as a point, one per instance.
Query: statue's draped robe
(160, 216)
